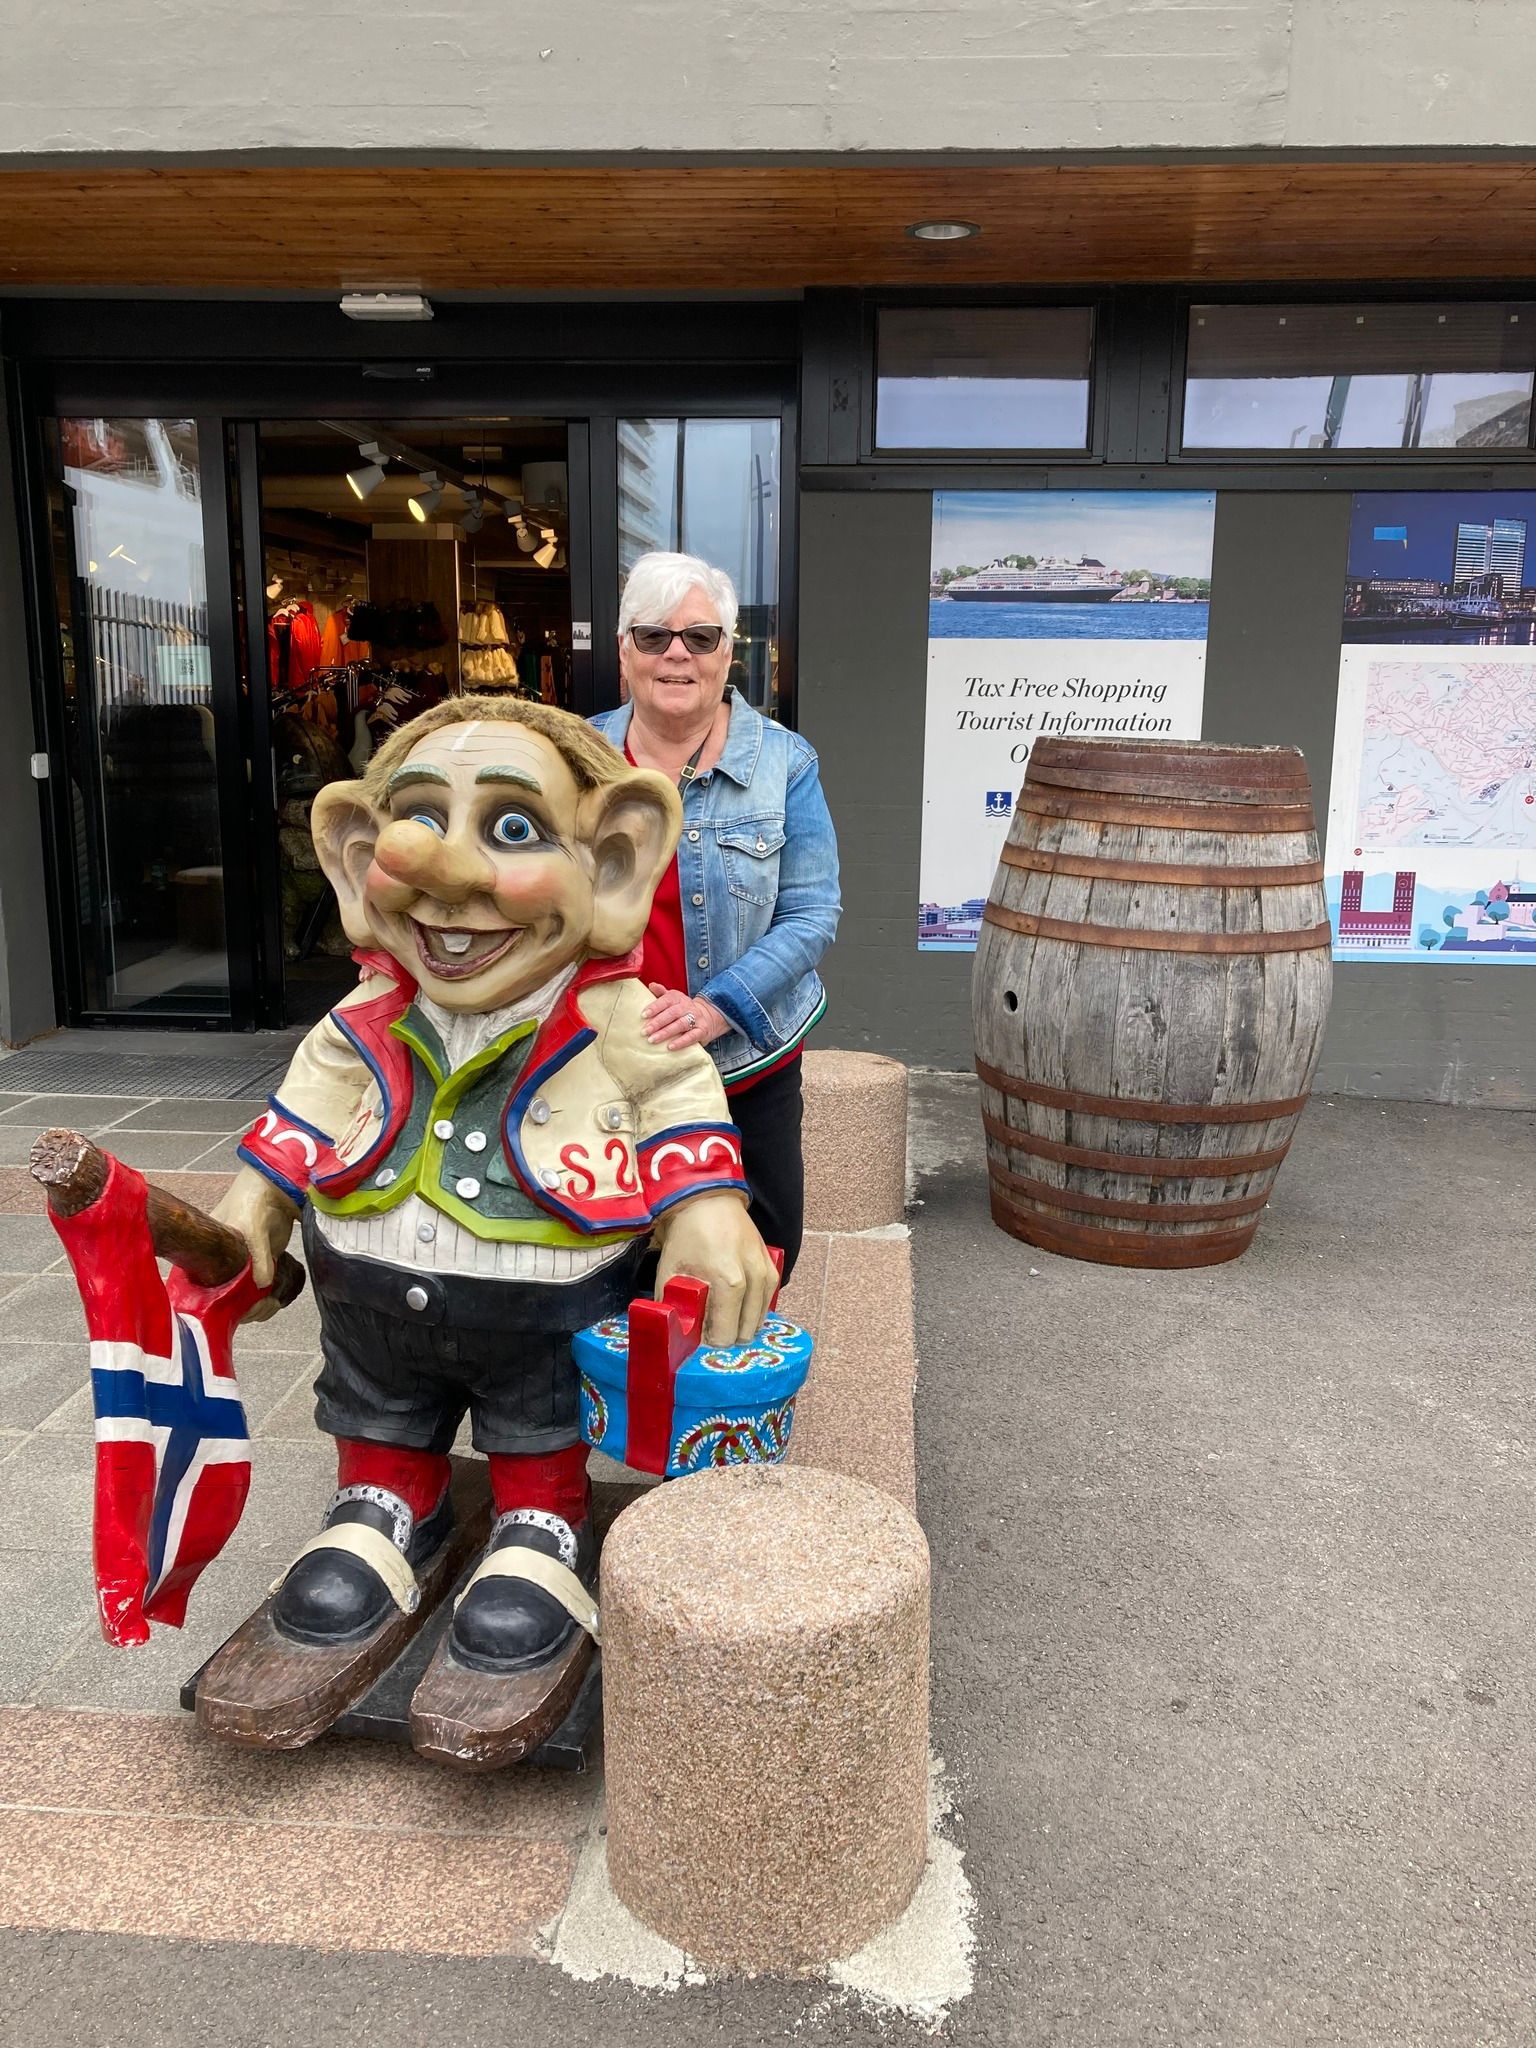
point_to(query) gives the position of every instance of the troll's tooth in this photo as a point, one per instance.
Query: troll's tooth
(455, 942)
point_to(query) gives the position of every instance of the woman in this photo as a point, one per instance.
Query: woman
(751, 902)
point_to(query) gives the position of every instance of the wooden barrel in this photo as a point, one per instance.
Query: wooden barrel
(1150, 991)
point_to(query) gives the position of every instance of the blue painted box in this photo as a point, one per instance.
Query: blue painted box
(678, 1407)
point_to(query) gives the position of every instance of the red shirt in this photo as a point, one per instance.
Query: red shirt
(664, 953)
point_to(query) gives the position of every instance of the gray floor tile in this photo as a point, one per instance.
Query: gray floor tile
(12, 1440)
(178, 1113)
(10, 1282)
(11, 1101)
(294, 1416)
(49, 1604)
(38, 1381)
(290, 1485)
(295, 1328)
(222, 1157)
(167, 1151)
(47, 1496)
(28, 1244)
(43, 1310)
(147, 1680)
(76, 1112)
(16, 1139)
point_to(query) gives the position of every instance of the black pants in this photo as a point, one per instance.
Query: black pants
(769, 1117)
(394, 1373)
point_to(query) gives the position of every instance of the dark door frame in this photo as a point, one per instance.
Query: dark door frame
(230, 401)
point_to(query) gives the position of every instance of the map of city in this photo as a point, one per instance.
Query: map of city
(1449, 754)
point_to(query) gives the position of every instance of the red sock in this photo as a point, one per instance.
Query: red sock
(420, 1478)
(556, 1482)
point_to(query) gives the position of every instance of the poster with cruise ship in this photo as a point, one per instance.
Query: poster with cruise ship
(1431, 845)
(1080, 612)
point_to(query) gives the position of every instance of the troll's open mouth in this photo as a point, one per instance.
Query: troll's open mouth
(452, 953)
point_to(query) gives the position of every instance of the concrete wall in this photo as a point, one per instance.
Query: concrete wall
(1420, 1031)
(190, 75)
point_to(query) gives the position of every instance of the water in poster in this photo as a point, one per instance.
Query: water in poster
(1078, 613)
(1432, 810)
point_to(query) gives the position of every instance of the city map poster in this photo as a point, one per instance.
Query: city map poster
(1431, 849)
(1049, 612)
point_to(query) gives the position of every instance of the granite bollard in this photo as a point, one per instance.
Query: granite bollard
(855, 1141)
(765, 1647)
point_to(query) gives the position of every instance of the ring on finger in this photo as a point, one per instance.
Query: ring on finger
(690, 1020)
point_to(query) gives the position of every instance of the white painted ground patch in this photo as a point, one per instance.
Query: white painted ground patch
(918, 1968)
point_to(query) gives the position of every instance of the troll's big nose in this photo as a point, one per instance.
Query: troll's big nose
(413, 856)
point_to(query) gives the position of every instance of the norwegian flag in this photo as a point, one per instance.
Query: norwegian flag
(173, 1463)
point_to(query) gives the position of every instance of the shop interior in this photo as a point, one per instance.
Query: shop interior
(402, 562)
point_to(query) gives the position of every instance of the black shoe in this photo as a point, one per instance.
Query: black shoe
(330, 1596)
(505, 1625)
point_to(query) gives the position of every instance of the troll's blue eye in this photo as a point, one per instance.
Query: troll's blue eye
(513, 829)
(433, 824)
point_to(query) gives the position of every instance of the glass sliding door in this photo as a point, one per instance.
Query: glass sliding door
(139, 784)
(711, 487)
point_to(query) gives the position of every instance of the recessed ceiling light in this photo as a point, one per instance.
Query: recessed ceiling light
(943, 230)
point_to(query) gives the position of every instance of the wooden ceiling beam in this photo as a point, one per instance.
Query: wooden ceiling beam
(758, 227)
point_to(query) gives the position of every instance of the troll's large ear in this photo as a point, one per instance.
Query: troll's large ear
(631, 829)
(345, 827)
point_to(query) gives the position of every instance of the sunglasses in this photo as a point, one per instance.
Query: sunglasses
(657, 639)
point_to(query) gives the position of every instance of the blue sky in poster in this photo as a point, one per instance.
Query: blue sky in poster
(1430, 519)
(1167, 532)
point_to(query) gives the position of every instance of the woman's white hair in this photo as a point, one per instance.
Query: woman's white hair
(658, 583)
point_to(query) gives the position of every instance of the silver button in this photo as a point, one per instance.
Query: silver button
(761, 846)
(613, 1116)
(475, 1140)
(468, 1187)
(416, 1298)
(426, 1232)
(548, 1177)
(694, 838)
(703, 959)
(538, 1111)
(698, 899)
(442, 1128)
(383, 1179)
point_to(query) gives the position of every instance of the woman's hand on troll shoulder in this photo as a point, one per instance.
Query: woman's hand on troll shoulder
(678, 1020)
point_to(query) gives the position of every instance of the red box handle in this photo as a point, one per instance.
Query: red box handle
(661, 1335)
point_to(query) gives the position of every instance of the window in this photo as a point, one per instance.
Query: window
(989, 377)
(1301, 378)
(711, 488)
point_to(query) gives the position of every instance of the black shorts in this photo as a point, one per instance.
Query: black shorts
(497, 1350)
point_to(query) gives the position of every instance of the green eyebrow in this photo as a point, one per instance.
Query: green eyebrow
(518, 775)
(418, 771)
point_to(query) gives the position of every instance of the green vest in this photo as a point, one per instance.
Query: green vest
(449, 1151)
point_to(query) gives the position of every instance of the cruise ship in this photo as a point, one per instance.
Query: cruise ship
(1086, 582)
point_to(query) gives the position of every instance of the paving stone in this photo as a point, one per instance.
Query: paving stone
(66, 1760)
(47, 1497)
(181, 1113)
(47, 1602)
(290, 1486)
(224, 1157)
(38, 1381)
(294, 1416)
(43, 1310)
(146, 1679)
(72, 1112)
(28, 1244)
(155, 1152)
(327, 1889)
(294, 1328)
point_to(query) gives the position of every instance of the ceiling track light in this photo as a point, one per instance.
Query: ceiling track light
(428, 498)
(365, 480)
(474, 512)
(545, 555)
(527, 539)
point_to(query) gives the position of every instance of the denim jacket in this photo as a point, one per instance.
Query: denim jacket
(757, 864)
